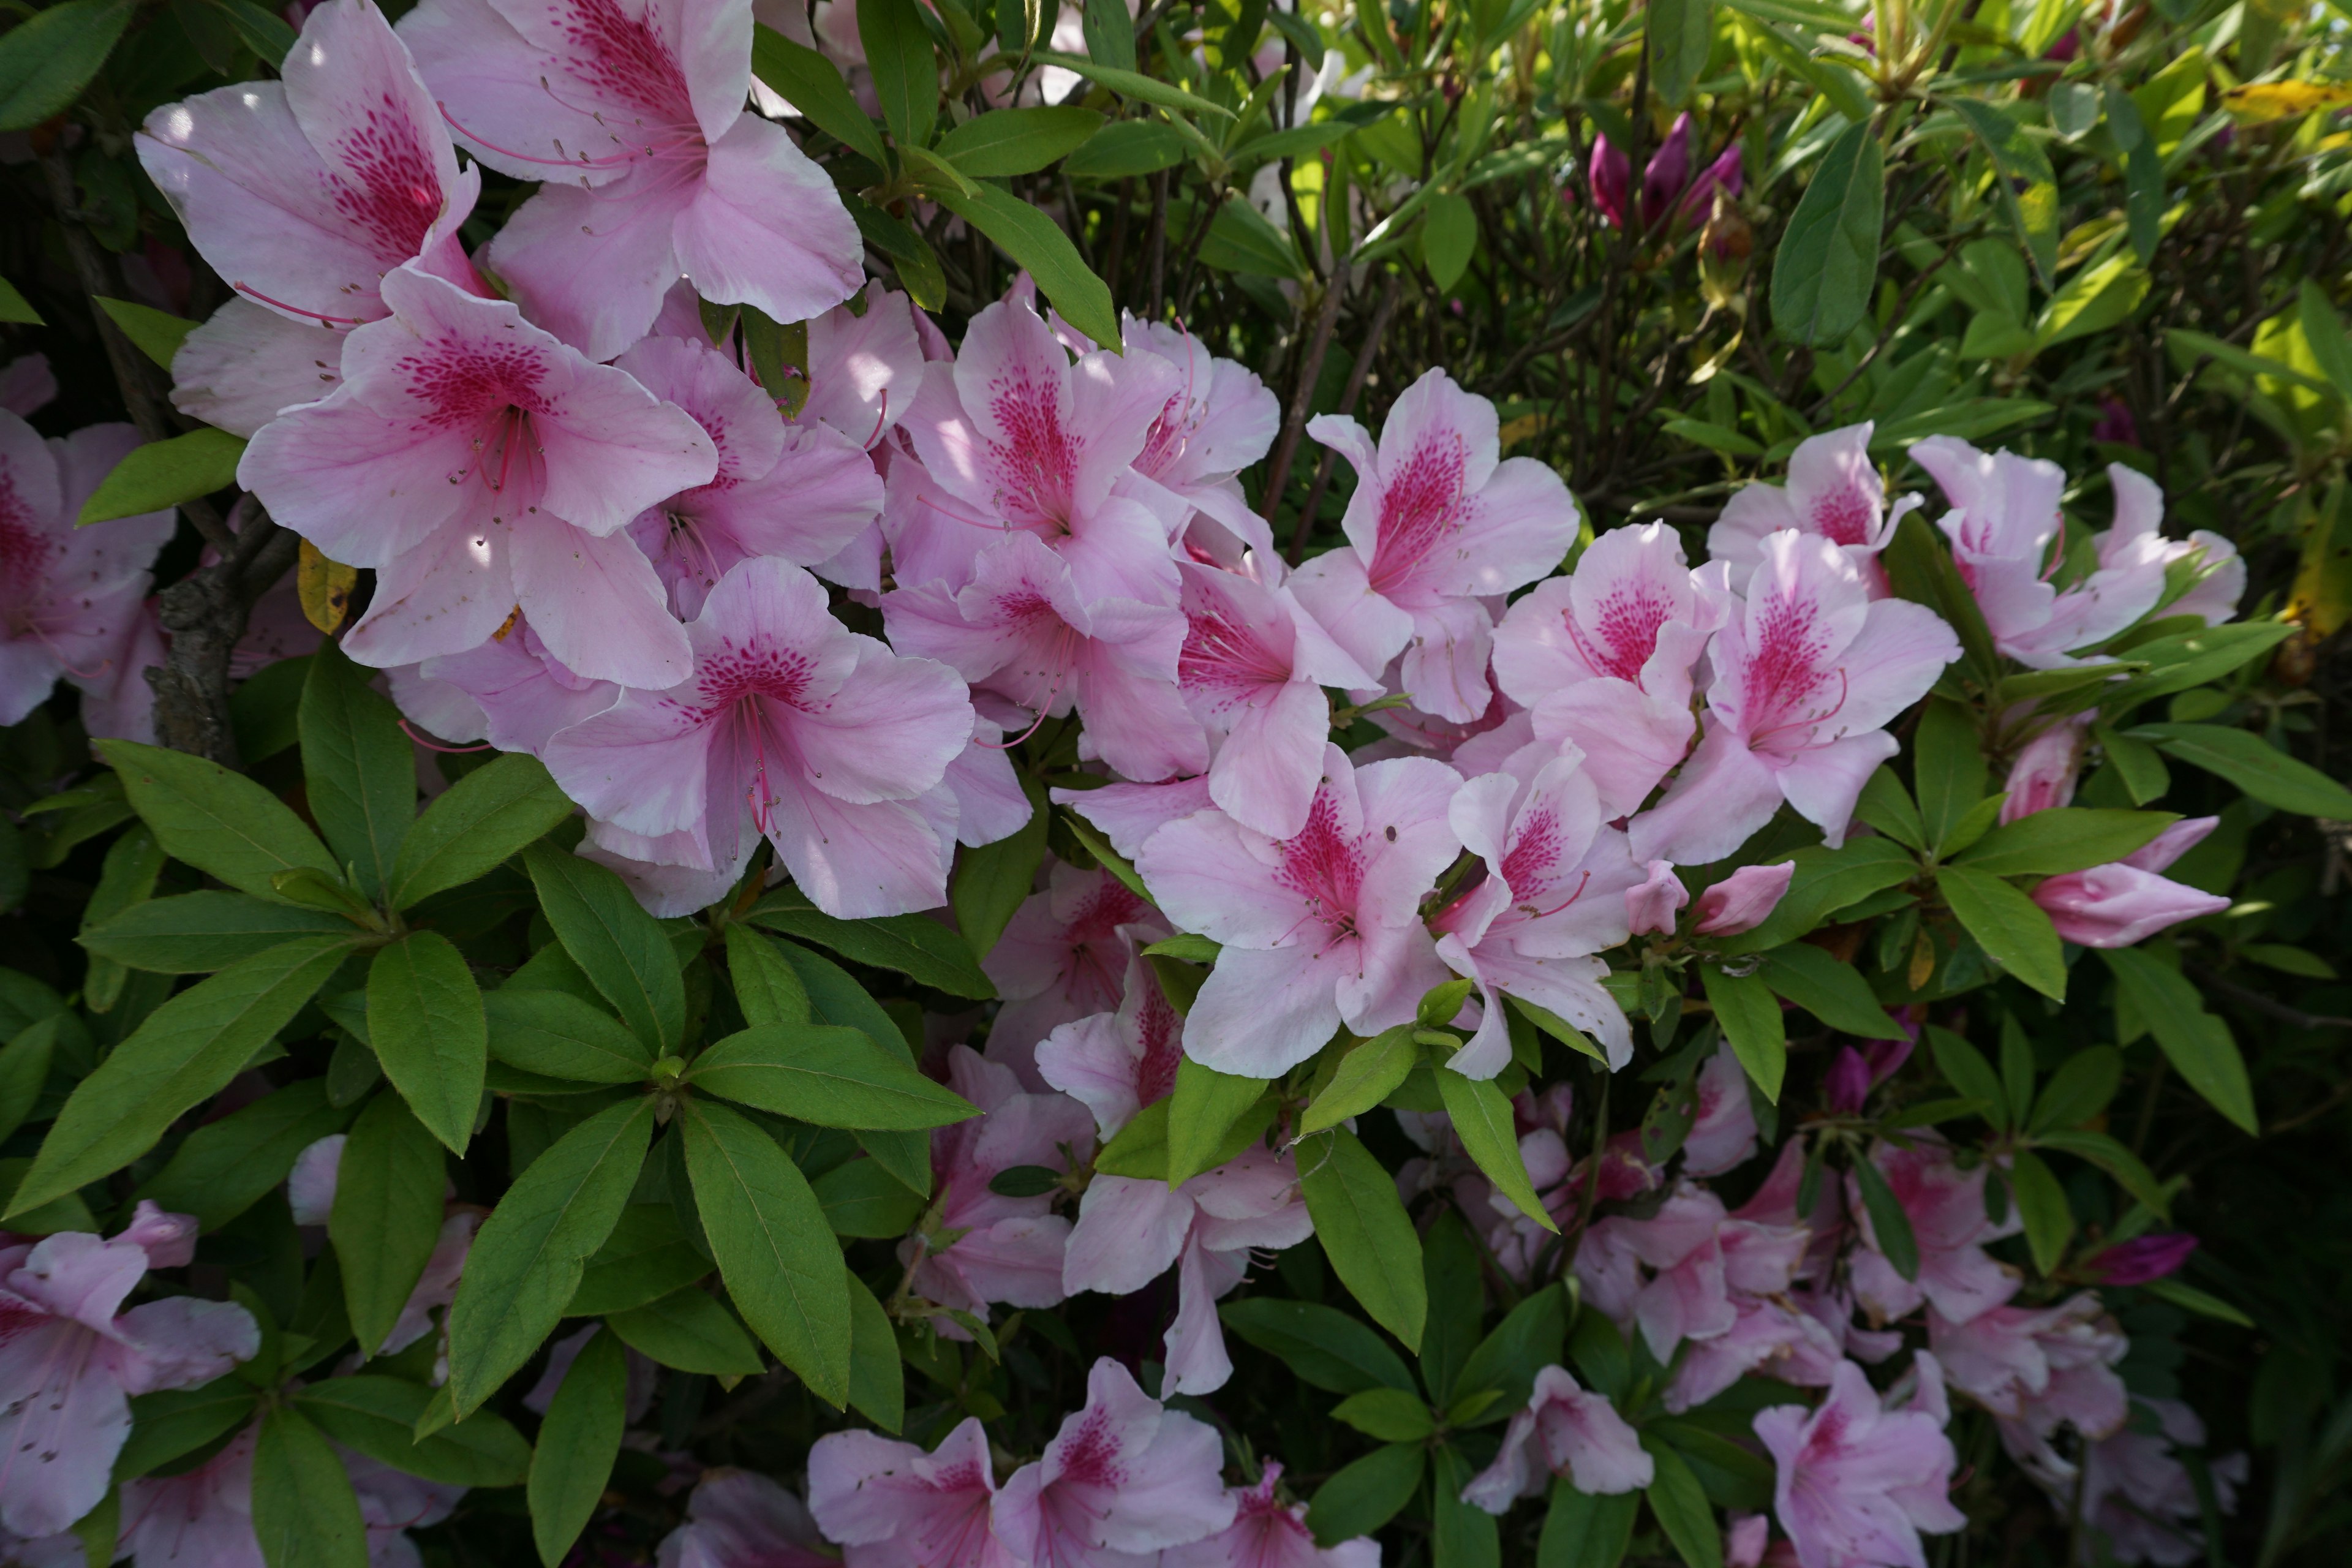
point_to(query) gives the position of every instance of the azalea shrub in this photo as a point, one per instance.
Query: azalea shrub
(926, 783)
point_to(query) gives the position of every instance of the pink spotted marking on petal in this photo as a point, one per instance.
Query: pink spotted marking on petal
(1845, 516)
(1785, 670)
(1422, 507)
(615, 53)
(26, 553)
(1325, 866)
(1532, 862)
(1628, 620)
(1163, 1031)
(1090, 1456)
(386, 186)
(1222, 658)
(750, 672)
(1037, 464)
(466, 383)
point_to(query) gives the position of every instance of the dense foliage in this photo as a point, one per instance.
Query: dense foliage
(943, 781)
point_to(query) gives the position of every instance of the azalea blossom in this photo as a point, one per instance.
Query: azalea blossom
(1130, 1230)
(2136, 1494)
(71, 599)
(1221, 419)
(1565, 1430)
(737, 1519)
(1653, 905)
(1115, 1064)
(793, 727)
(1602, 658)
(1439, 520)
(1807, 672)
(1268, 1533)
(1723, 1123)
(2039, 1367)
(510, 692)
(636, 118)
(1064, 956)
(2043, 775)
(2134, 543)
(864, 369)
(1743, 900)
(2126, 902)
(1124, 1474)
(1319, 929)
(1858, 1478)
(1946, 1207)
(1833, 491)
(1553, 895)
(479, 465)
(205, 1514)
(1672, 1273)
(72, 1359)
(891, 1505)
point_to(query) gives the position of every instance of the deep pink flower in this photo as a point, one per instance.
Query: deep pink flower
(1743, 900)
(2125, 901)
(1611, 175)
(1565, 1430)
(1268, 1533)
(1946, 1207)
(635, 116)
(2115, 423)
(1319, 929)
(1834, 490)
(1858, 1478)
(793, 728)
(891, 1505)
(1439, 520)
(736, 1518)
(1064, 956)
(1124, 1474)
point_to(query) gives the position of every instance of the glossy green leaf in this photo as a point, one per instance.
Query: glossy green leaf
(359, 769)
(827, 1074)
(1036, 243)
(1581, 1529)
(1681, 1505)
(814, 85)
(1828, 260)
(1483, 1120)
(1825, 882)
(426, 1021)
(1830, 989)
(2011, 927)
(1366, 1494)
(1367, 1075)
(2198, 1044)
(156, 333)
(47, 58)
(162, 474)
(1364, 1230)
(1681, 35)
(2019, 161)
(578, 1442)
(623, 950)
(196, 934)
(387, 1215)
(1128, 148)
(2042, 1205)
(767, 988)
(479, 822)
(1890, 1226)
(179, 1421)
(1134, 85)
(1449, 237)
(1465, 1535)
(1750, 1017)
(1530, 1338)
(905, 73)
(217, 821)
(689, 1330)
(1323, 1346)
(1005, 142)
(305, 1514)
(862, 1198)
(1389, 1415)
(559, 1035)
(919, 948)
(222, 1168)
(2244, 759)
(646, 1257)
(991, 881)
(1205, 1107)
(2063, 838)
(378, 1417)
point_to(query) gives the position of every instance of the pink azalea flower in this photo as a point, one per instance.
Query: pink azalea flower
(71, 599)
(1674, 1273)
(1770, 1335)
(1743, 900)
(1858, 1070)
(1128, 814)
(1021, 629)
(1252, 671)
(798, 492)
(1115, 1064)
(1653, 906)
(1859, 1479)
(1123, 1475)
(27, 384)
(1268, 1533)
(862, 370)
(1221, 419)
(1723, 1128)
(736, 1518)
(636, 118)
(1602, 658)
(1130, 1231)
(1064, 956)
(1022, 439)
(2006, 534)
(520, 695)
(2135, 1494)
(303, 193)
(70, 1359)
(793, 727)
(205, 1515)
(1565, 1430)
(1833, 491)
(1439, 521)
(975, 1245)
(1550, 894)
(478, 464)
(2043, 775)
(891, 1505)
(2040, 1366)
(1946, 1207)
(2134, 544)
(2125, 901)
(1319, 929)
(1808, 671)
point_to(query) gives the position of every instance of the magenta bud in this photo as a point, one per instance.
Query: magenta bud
(1669, 172)
(2141, 1259)
(1611, 177)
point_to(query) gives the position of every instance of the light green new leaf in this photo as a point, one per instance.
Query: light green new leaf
(624, 951)
(1006, 142)
(2244, 759)
(217, 821)
(2011, 927)
(305, 1514)
(386, 1215)
(2063, 838)
(155, 334)
(1364, 1230)
(1202, 1110)
(1367, 1075)
(1750, 1017)
(185, 1052)
(577, 1445)
(2198, 1044)
(426, 1021)
(1482, 1118)
(826, 1075)
(775, 1251)
(1828, 260)
(161, 474)
(557, 1035)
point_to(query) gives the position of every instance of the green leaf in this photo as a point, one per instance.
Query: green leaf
(559, 1035)
(1825, 882)
(862, 1198)
(1243, 239)
(178, 1421)
(1920, 568)
(378, 1417)
(185, 1052)
(267, 36)
(2080, 1089)
(1528, 1338)
(623, 950)
(1364, 1230)
(155, 334)
(1449, 235)
(2042, 1205)
(991, 881)
(161, 474)
(1750, 1017)
(13, 306)
(1091, 840)
(2244, 759)
(646, 1257)
(526, 1263)
(826, 1075)
(386, 1215)
(1581, 1529)
(1886, 806)
(25, 1070)
(1483, 1120)
(479, 822)
(906, 75)
(777, 1253)
(196, 934)
(1324, 1347)
(1828, 988)
(1948, 769)
(1036, 243)
(2113, 1158)
(47, 58)
(2190, 1298)
(1466, 1535)
(1006, 142)
(835, 998)
(688, 1330)
(878, 1382)
(1204, 1109)
(2018, 158)
(578, 1442)
(426, 1021)
(2063, 838)
(1828, 260)
(1965, 1068)
(223, 1167)
(1389, 1415)
(217, 821)
(920, 949)
(1681, 33)
(2198, 1044)
(1365, 1495)
(2323, 333)
(2011, 927)
(767, 988)
(1128, 148)
(918, 264)
(1134, 85)
(1890, 1227)
(815, 87)
(1367, 1075)
(1681, 1506)
(305, 1514)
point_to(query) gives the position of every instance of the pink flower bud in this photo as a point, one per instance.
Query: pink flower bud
(1652, 907)
(2141, 1259)
(2044, 774)
(1668, 173)
(1742, 901)
(1612, 177)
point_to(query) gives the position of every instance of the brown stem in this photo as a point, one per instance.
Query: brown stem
(1356, 377)
(1310, 368)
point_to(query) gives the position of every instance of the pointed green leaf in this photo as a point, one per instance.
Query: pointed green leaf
(217, 821)
(814, 85)
(49, 57)
(378, 1417)
(878, 1380)
(577, 1445)
(688, 1330)
(919, 948)
(426, 1021)
(1828, 260)
(196, 934)
(387, 1217)
(1204, 1107)
(305, 1514)
(2042, 1205)
(1036, 243)
(223, 1167)
(1831, 990)
(1483, 1120)
(1365, 1232)
(1750, 1017)
(624, 951)
(2198, 1044)
(1680, 1504)
(557, 1035)
(476, 823)
(1367, 1075)
(826, 1075)
(2011, 927)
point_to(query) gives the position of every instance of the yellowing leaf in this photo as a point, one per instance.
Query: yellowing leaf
(325, 587)
(2259, 103)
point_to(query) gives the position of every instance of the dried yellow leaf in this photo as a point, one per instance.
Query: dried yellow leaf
(325, 587)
